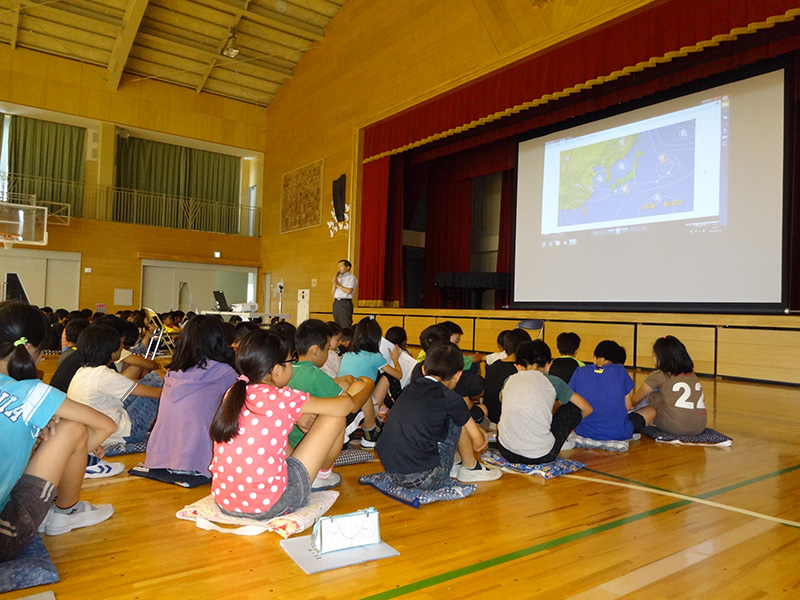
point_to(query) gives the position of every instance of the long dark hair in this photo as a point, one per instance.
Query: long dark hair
(366, 336)
(259, 352)
(672, 357)
(21, 323)
(203, 338)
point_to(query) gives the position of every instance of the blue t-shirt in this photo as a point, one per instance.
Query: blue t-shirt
(605, 389)
(362, 364)
(25, 407)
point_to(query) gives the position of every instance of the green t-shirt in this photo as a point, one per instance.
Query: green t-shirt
(309, 378)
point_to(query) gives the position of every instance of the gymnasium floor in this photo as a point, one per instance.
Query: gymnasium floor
(656, 522)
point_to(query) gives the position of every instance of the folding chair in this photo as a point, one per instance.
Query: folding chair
(161, 333)
(532, 325)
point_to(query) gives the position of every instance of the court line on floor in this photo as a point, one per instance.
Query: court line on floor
(524, 552)
(674, 563)
(695, 499)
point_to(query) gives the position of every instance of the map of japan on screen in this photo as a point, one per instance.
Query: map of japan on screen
(666, 168)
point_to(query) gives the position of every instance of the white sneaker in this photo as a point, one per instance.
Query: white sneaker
(569, 443)
(480, 473)
(454, 470)
(104, 469)
(83, 514)
(43, 524)
(320, 484)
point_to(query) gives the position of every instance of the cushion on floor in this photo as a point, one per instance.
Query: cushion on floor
(416, 498)
(559, 466)
(30, 568)
(707, 437)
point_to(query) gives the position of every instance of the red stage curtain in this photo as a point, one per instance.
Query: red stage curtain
(506, 234)
(374, 211)
(394, 232)
(666, 27)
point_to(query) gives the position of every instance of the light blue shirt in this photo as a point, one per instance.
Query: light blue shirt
(25, 408)
(362, 364)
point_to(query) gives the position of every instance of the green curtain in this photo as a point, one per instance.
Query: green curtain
(46, 159)
(165, 169)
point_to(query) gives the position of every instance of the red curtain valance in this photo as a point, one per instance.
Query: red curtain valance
(655, 32)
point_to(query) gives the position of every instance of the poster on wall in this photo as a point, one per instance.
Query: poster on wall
(301, 197)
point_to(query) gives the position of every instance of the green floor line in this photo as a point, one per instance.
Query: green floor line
(517, 554)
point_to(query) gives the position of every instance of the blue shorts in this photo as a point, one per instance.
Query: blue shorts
(437, 477)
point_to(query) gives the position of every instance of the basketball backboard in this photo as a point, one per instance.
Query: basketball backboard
(23, 224)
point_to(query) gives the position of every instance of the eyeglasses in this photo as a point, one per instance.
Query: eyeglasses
(291, 361)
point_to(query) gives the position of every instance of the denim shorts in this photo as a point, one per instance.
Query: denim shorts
(294, 497)
(27, 506)
(437, 477)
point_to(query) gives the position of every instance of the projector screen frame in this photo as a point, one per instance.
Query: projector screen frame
(790, 243)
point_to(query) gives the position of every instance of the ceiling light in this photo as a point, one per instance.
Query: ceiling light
(231, 50)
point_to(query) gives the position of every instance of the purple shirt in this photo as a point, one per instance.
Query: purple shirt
(180, 438)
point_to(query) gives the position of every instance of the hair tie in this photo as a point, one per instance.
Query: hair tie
(244, 378)
(21, 341)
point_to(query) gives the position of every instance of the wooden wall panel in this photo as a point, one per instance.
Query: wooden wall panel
(592, 334)
(113, 251)
(699, 341)
(415, 325)
(467, 339)
(768, 355)
(487, 330)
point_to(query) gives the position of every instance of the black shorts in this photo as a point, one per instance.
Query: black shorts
(27, 506)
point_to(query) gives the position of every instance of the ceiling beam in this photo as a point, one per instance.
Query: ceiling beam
(271, 18)
(15, 26)
(124, 42)
(213, 63)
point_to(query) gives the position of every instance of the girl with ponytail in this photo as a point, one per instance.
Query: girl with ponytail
(252, 473)
(30, 484)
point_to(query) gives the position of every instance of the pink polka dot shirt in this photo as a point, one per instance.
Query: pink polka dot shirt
(249, 472)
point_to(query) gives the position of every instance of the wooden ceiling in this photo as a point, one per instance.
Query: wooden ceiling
(178, 41)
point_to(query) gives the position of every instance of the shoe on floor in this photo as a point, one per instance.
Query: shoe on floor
(104, 469)
(480, 473)
(454, 470)
(82, 514)
(43, 524)
(371, 437)
(569, 443)
(320, 484)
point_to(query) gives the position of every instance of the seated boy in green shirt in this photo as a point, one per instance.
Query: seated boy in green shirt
(312, 342)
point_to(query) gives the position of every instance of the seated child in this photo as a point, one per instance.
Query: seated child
(365, 360)
(252, 476)
(529, 431)
(674, 394)
(29, 484)
(499, 371)
(428, 423)
(71, 333)
(564, 366)
(607, 386)
(197, 378)
(501, 351)
(240, 330)
(132, 406)
(334, 360)
(312, 342)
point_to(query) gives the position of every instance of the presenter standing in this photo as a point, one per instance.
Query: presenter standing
(344, 284)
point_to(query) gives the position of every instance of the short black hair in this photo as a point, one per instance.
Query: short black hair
(611, 351)
(568, 342)
(334, 327)
(242, 329)
(433, 334)
(347, 263)
(367, 336)
(74, 328)
(453, 327)
(514, 338)
(397, 335)
(97, 344)
(286, 330)
(501, 338)
(312, 332)
(444, 360)
(535, 352)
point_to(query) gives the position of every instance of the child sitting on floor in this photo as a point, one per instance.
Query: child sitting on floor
(251, 473)
(428, 423)
(564, 366)
(312, 342)
(29, 484)
(499, 371)
(501, 350)
(197, 378)
(132, 406)
(331, 366)
(674, 394)
(529, 431)
(607, 386)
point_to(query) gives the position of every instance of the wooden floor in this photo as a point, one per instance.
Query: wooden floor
(656, 522)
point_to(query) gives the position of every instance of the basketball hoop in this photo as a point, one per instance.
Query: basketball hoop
(8, 239)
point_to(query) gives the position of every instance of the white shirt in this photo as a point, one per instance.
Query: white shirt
(104, 389)
(347, 280)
